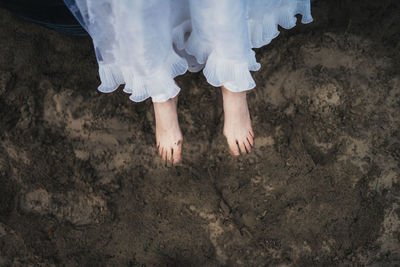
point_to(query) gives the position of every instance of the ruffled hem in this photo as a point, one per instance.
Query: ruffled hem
(194, 53)
(263, 30)
(234, 74)
(160, 85)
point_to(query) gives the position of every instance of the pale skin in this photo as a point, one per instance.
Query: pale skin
(237, 126)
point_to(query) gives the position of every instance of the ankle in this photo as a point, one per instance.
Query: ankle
(166, 114)
(234, 95)
(171, 103)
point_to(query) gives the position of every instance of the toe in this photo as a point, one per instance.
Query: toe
(164, 155)
(176, 157)
(233, 148)
(247, 145)
(242, 147)
(251, 133)
(250, 140)
(169, 155)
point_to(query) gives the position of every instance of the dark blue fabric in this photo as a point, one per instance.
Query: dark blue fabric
(53, 14)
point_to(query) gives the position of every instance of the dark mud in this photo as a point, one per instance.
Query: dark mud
(81, 184)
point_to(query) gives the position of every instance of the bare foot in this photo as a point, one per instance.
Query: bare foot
(168, 133)
(237, 125)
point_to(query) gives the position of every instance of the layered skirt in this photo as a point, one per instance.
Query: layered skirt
(145, 44)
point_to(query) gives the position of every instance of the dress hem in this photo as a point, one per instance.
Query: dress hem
(233, 74)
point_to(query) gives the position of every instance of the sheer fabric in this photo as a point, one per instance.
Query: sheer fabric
(144, 44)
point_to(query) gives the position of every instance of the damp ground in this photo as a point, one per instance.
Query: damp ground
(81, 183)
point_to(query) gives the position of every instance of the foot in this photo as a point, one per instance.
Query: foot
(237, 123)
(168, 133)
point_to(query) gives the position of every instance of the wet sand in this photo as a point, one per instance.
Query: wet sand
(81, 183)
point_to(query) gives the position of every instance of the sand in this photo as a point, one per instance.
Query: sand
(81, 183)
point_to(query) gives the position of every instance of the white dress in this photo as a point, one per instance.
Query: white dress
(145, 44)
